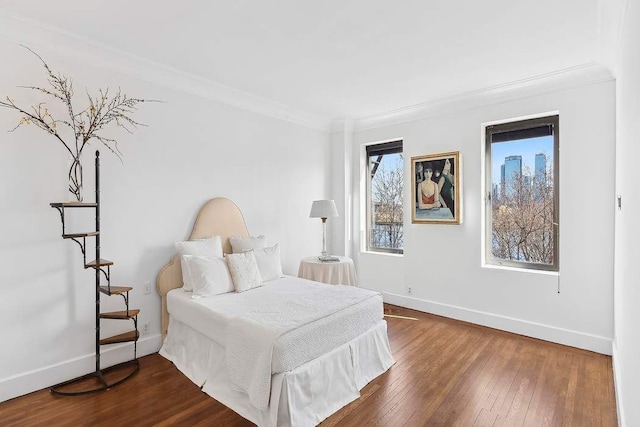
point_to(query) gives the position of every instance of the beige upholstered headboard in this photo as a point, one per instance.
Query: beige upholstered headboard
(218, 217)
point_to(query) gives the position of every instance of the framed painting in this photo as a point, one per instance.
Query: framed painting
(435, 188)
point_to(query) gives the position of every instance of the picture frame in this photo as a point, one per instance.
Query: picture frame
(435, 189)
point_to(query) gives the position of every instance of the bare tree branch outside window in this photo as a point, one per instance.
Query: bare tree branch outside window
(387, 204)
(523, 218)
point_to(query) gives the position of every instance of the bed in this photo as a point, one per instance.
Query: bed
(289, 353)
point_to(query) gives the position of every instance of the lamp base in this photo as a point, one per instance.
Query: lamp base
(328, 258)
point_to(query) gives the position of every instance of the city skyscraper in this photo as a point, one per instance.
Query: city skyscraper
(540, 169)
(512, 172)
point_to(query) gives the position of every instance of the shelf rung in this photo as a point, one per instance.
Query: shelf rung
(100, 263)
(77, 235)
(115, 290)
(126, 337)
(73, 205)
(121, 315)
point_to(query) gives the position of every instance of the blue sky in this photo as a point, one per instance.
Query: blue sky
(527, 148)
(391, 161)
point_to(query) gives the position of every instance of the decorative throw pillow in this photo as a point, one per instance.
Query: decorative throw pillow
(209, 275)
(204, 247)
(268, 260)
(244, 271)
(243, 244)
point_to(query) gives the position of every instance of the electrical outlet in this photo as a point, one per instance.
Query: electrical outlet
(409, 290)
(146, 328)
(147, 288)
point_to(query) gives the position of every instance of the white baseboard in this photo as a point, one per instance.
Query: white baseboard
(38, 379)
(590, 342)
(616, 384)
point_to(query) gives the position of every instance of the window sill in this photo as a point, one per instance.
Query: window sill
(521, 269)
(390, 254)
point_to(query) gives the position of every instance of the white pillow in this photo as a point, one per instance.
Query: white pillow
(268, 260)
(243, 244)
(209, 275)
(203, 247)
(244, 271)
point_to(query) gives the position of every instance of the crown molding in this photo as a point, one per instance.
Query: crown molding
(580, 75)
(611, 19)
(22, 30)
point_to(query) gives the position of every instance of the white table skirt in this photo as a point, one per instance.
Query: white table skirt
(340, 272)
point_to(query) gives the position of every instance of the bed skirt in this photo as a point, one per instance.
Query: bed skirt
(303, 396)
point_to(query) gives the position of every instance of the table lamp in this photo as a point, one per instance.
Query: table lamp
(324, 209)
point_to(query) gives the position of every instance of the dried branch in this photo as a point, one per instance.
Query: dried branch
(88, 124)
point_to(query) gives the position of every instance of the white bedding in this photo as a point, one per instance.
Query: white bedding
(210, 317)
(303, 396)
(281, 325)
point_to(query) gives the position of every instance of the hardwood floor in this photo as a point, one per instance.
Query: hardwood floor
(447, 372)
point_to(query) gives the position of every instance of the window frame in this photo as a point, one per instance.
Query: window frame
(387, 147)
(552, 120)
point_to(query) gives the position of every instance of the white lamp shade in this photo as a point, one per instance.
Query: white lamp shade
(323, 209)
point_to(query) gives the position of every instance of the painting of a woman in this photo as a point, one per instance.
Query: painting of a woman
(429, 191)
(436, 188)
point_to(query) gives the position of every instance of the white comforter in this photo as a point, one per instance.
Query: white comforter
(281, 308)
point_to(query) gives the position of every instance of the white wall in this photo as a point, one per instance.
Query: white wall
(339, 229)
(193, 149)
(442, 263)
(626, 356)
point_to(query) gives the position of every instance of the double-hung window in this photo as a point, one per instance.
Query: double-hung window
(522, 194)
(385, 170)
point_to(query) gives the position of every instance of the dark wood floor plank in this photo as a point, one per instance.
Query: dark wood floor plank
(419, 388)
(542, 404)
(485, 418)
(515, 409)
(404, 381)
(505, 380)
(610, 417)
(443, 394)
(446, 373)
(476, 409)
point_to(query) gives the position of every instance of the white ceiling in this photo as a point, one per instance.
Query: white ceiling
(340, 58)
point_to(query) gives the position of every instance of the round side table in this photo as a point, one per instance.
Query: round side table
(340, 272)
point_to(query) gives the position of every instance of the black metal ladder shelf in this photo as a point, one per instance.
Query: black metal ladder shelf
(101, 378)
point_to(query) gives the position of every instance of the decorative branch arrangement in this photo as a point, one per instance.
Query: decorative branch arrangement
(85, 125)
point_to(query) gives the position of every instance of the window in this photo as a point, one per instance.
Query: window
(522, 194)
(385, 171)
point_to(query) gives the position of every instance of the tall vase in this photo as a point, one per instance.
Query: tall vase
(75, 178)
